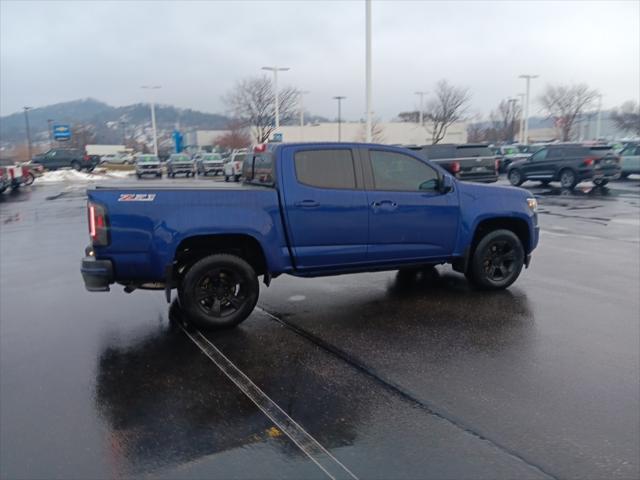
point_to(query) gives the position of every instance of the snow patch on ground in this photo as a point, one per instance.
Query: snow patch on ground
(72, 176)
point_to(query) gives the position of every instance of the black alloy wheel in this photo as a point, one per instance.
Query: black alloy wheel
(219, 291)
(497, 261)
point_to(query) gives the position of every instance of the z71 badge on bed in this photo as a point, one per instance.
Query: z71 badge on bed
(137, 197)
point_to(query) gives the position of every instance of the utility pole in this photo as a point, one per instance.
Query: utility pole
(528, 79)
(368, 68)
(339, 98)
(153, 117)
(521, 127)
(275, 71)
(420, 116)
(123, 124)
(599, 117)
(26, 121)
(301, 105)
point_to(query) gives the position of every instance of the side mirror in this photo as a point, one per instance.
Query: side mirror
(446, 184)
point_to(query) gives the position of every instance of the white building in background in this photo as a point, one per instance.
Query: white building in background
(390, 133)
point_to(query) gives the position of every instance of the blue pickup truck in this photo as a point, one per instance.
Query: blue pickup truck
(306, 209)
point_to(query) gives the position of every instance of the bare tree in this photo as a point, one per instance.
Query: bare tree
(565, 104)
(504, 122)
(235, 137)
(409, 117)
(627, 117)
(82, 135)
(447, 108)
(475, 130)
(252, 102)
(377, 132)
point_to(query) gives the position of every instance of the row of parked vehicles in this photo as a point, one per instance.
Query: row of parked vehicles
(200, 164)
(567, 163)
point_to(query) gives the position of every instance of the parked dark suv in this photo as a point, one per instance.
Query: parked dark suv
(474, 163)
(75, 158)
(569, 164)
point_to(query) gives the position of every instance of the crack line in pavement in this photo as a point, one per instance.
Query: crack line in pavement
(400, 391)
(298, 435)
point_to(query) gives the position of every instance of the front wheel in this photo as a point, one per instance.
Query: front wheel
(29, 179)
(515, 177)
(226, 179)
(236, 178)
(497, 260)
(219, 291)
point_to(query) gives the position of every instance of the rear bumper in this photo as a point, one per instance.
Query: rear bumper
(97, 274)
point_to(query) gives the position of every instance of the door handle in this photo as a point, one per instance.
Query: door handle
(383, 203)
(306, 204)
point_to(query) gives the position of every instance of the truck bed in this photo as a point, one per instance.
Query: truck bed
(149, 220)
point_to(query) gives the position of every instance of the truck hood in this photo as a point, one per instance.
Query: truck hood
(482, 191)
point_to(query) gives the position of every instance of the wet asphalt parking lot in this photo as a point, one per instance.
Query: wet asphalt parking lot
(368, 376)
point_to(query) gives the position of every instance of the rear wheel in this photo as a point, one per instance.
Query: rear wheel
(497, 260)
(219, 291)
(76, 166)
(545, 183)
(236, 178)
(226, 179)
(600, 182)
(624, 175)
(515, 177)
(568, 178)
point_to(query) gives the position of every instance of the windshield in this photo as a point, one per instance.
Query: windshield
(147, 159)
(212, 158)
(180, 158)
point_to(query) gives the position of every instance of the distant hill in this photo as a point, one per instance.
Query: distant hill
(106, 121)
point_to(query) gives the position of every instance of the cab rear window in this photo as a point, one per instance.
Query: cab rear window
(259, 169)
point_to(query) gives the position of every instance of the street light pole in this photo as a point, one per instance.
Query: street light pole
(301, 105)
(26, 121)
(512, 114)
(275, 71)
(368, 68)
(339, 98)
(599, 117)
(521, 128)
(420, 116)
(153, 118)
(528, 78)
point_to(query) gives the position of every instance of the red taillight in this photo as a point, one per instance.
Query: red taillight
(455, 167)
(588, 162)
(260, 148)
(25, 171)
(98, 228)
(2, 172)
(497, 164)
(86, 158)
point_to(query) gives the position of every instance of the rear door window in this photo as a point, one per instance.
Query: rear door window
(326, 168)
(479, 151)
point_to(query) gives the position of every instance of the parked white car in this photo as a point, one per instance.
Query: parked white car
(233, 167)
(117, 158)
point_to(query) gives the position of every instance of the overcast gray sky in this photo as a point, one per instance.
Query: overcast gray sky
(57, 51)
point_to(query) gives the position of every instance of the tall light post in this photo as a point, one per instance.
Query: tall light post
(599, 117)
(26, 121)
(512, 114)
(521, 128)
(528, 78)
(420, 116)
(275, 71)
(301, 94)
(153, 117)
(50, 127)
(368, 68)
(339, 98)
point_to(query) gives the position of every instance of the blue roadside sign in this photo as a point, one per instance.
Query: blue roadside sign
(277, 137)
(61, 132)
